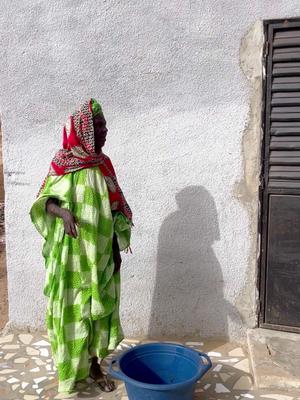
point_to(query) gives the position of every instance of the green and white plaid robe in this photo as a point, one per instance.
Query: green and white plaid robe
(83, 308)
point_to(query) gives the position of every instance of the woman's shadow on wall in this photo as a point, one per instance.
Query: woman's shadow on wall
(188, 297)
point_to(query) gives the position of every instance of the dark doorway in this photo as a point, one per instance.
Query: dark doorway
(280, 183)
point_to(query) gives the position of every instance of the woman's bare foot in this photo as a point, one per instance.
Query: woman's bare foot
(105, 383)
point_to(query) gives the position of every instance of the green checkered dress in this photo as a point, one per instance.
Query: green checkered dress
(83, 308)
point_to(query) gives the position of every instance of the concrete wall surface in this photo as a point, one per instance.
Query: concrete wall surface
(178, 106)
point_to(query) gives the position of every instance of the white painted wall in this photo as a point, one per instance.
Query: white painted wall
(176, 101)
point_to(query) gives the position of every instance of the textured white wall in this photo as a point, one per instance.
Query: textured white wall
(176, 101)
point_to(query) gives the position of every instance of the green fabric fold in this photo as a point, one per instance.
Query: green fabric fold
(96, 108)
(122, 228)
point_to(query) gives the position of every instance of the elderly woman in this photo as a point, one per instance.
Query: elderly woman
(85, 220)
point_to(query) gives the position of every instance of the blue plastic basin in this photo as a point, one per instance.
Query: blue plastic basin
(160, 371)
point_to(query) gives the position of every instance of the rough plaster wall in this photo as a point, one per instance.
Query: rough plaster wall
(177, 104)
(247, 188)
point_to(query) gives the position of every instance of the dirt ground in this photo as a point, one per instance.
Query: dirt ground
(3, 287)
(3, 273)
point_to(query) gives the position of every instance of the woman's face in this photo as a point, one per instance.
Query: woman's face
(100, 132)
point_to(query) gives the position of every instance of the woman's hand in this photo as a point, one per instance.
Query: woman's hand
(52, 207)
(69, 223)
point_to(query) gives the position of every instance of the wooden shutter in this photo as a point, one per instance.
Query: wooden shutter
(280, 190)
(284, 111)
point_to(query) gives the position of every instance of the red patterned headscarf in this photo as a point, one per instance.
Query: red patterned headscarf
(78, 152)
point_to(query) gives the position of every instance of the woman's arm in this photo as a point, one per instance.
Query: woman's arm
(54, 209)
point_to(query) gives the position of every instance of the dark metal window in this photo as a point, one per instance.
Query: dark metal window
(280, 183)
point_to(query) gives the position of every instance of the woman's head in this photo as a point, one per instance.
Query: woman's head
(86, 133)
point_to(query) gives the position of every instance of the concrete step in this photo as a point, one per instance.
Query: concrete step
(275, 358)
